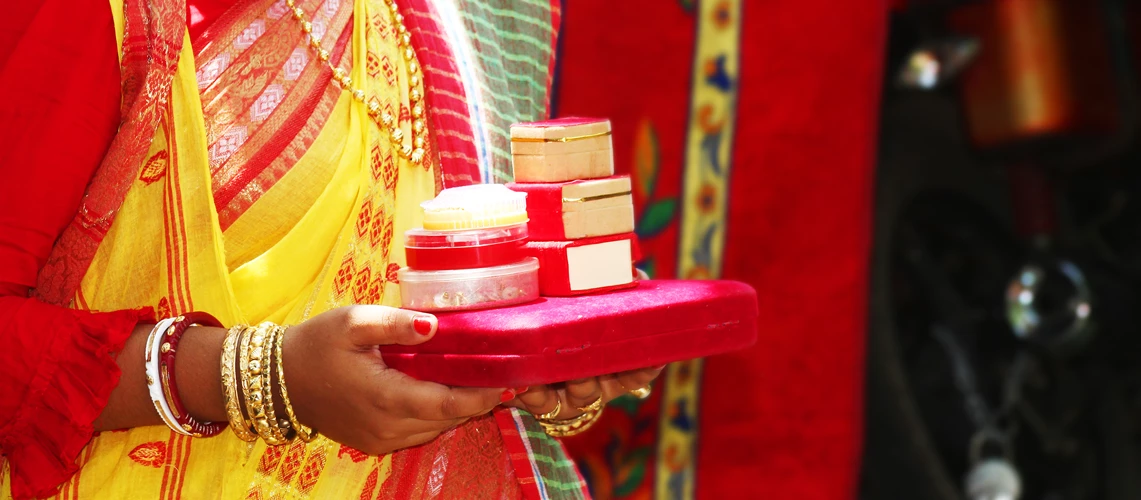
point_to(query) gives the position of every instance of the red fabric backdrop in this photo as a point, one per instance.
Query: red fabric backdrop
(784, 418)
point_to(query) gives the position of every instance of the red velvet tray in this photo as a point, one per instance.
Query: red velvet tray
(556, 339)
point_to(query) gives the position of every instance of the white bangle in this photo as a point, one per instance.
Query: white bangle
(154, 383)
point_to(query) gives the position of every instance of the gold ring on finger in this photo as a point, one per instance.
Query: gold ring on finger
(553, 413)
(641, 393)
(592, 407)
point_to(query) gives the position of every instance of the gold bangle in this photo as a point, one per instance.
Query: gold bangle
(277, 428)
(230, 385)
(305, 433)
(244, 375)
(592, 407)
(571, 426)
(252, 382)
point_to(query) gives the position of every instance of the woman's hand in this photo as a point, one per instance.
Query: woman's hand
(575, 394)
(339, 385)
(581, 393)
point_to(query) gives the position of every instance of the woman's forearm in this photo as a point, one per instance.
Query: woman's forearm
(197, 371)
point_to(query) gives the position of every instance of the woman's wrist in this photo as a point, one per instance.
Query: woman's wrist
(199, 377)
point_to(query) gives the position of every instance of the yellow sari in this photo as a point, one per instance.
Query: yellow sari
(315, 226)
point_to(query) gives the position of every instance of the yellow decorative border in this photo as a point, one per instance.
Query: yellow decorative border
(702, 230)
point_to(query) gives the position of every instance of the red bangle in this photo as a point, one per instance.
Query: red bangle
(166, 368)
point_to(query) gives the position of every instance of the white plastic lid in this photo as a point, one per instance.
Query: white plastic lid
(474, 207)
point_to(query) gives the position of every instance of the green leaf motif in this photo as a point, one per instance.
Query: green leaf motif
(638, 460)
(656, 218)
(646, 159)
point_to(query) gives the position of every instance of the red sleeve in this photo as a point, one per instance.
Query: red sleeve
(200, 14)
(59, 109)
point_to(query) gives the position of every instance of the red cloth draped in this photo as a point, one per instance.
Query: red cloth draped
(783, 419)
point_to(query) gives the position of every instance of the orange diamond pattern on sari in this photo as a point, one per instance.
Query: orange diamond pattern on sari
(370, 485)
(385, 236)
(270, 459)
(372, 65)
(291, 463)
(390, 172)
(155, 167)
(375, 290)
(377, 161)
(152, 454)
(311, 472)
(376, 232)
(364, 219)
(388, 69)
(344, 276)
(361, 286)
(381, 25)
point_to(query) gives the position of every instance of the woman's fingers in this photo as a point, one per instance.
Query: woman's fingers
(635, 379)
(430, 401)
(369, 325)
(581, 393)
(538, 399)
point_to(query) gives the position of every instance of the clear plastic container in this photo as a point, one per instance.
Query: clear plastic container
(470, 289)
(468, 249)
(474, 207)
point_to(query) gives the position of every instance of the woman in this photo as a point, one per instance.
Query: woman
(256, 160)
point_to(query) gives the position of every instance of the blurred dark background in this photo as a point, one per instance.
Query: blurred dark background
(1004, 347)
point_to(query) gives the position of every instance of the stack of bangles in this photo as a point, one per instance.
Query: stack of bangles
(251, 360)
(585, 420)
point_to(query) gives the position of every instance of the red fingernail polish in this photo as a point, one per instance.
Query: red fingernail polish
(662, 367)
(521, 390)
(422, 325)
(507, 395)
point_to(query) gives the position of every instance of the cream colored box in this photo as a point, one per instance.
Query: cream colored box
(563, 149)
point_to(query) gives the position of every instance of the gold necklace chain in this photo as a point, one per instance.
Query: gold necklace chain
(415, 151)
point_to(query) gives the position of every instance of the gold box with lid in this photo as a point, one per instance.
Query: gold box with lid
(560, 150)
